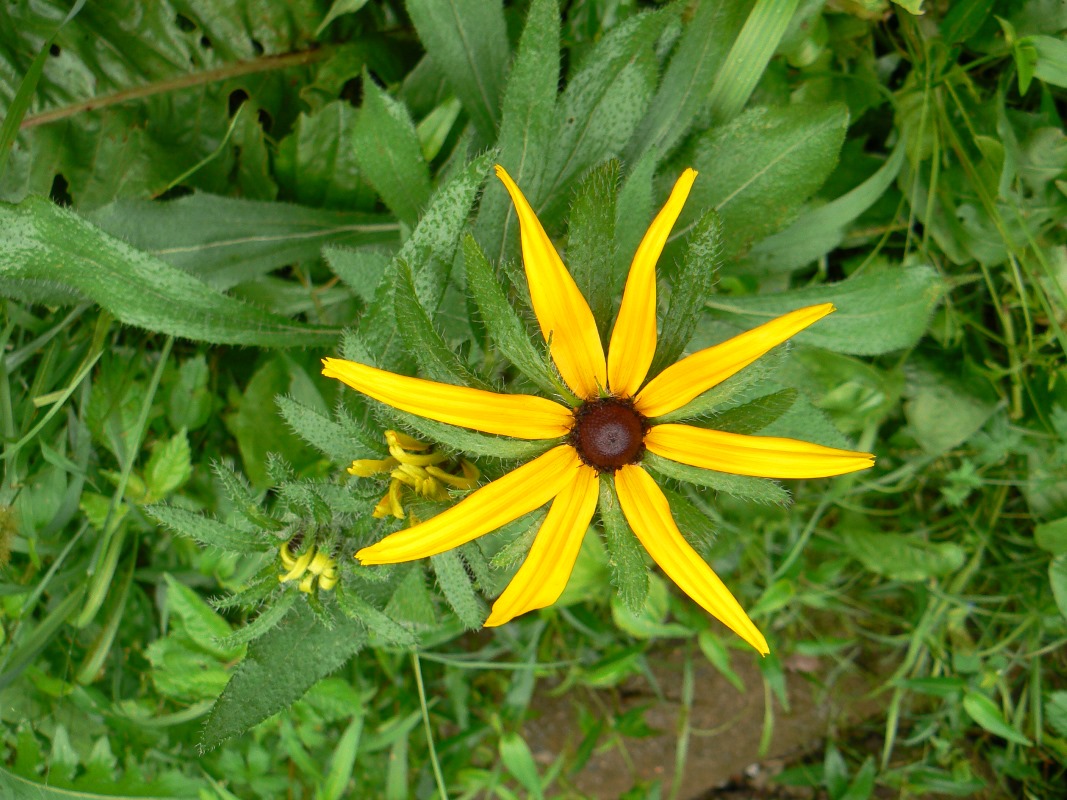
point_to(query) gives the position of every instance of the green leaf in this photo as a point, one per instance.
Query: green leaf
(591, 244)
(986, 713)
(279, 667)
(633, 212)
(456, 586)
(526, 127)
(816, 232)
(683, 92)
(1057, 576)
(467, 40)
(518, 760)
(761, 490)
(903, 557)
(189, 402)
(603, 102)
(342, 442)
(506, 329)
(45, 244)
(375, 621)
(691, 287)
(1056, 712)
(434, 356)
(343, 758)
(361, 270)
(237, 489)
(877, 312)
(748, 58)
(337, 9)
(942, 410)
(169, 466)
(648, 622)
(16, 787)
(464, 441)
(1052, 536)
(267, 618)
(198, 621)
(963, 20)
(629, 574)
(387, 150)
(719, 657)
(757, 170)
(411, 601)
(1050, 53)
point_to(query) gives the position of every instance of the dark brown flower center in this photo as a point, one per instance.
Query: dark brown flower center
(609, 433)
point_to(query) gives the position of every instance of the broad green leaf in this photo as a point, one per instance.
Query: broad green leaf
(629, 574)
(757, 170)
(1056, 712)
(754, 416)
(1052, 536)
(467, 40)
(683, 92)
(526, 126)
(591, 244)
(209, 531)
(47, 244)
(456, 586)
(1051, 59)
(505, 327)
(815, 233)
(278, 668)
(318, 165)
(169, 466)
(691, 286)
(189, 403)
(1057, 576)
(986, 713)
(226, 240)
(748, 58)
(388, 153)
(877, 312)
(603, 103)
(902, 557)
(339, 8)
(942, 410)
(434, 356)
(761, 490)
(197, 620)
(518, 760)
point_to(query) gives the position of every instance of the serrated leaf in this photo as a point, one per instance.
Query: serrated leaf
(199, 621)
(279, 667)
(902, 557)
(761, 490)
(266, 619)
(591, 244)
(388, 153)
(629, 573)
(169, 466)
(691, 286)
(456, 586)
(208, 531)
(876, 313)
(506, 329)
(757, 170)
(467, 40)
(986, 713)
(375, 621)
(340, 442)
(526, 126)
(45, 243)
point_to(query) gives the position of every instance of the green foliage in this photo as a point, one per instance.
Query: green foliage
(201, 199)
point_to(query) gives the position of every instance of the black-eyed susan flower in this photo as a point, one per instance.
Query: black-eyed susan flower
(609, 432)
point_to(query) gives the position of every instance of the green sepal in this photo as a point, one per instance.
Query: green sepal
(455, 585)
(762, 490)
(691, 286)
(209, 531)
(626, 557)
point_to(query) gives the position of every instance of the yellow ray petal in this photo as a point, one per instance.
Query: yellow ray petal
(544, 574)
(495, 504)
(562, 312)
(519, 415)
(633, 339)
(649, 515)
(763, 456)
(695, 374)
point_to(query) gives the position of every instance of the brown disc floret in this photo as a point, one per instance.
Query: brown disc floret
(609, 433)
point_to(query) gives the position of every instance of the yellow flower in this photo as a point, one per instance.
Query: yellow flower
(307, 568)
(609, 431)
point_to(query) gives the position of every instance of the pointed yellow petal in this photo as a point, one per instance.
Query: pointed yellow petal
(495, 504)
(562, 312)
(762, 456)
(520, 415)
(649, 515)
(695, 374)
(633, 339)
(544, 574)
